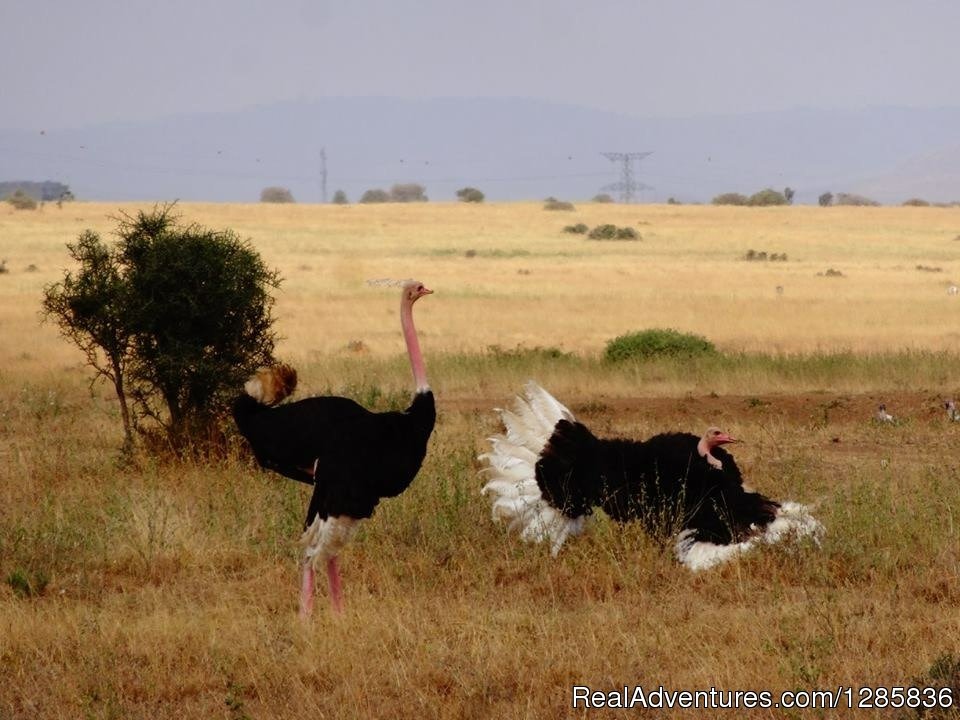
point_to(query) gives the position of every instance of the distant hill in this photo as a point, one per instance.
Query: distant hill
(511, 149)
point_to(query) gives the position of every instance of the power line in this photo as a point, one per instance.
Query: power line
(627, 186)
(323, 175)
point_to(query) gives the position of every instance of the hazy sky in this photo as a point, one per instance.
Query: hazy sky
(67, 64)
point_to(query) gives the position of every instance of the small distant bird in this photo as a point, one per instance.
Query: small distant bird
(953, 414)
(882, 415)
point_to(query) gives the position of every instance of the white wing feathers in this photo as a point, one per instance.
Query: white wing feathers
(793, 521)
(511, 469)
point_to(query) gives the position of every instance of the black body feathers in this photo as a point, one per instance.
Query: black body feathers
(663, 482)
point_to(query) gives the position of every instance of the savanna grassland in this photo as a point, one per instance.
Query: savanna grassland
(168, 589)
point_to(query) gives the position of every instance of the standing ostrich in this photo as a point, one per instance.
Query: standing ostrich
(548, 472)
(352, 456)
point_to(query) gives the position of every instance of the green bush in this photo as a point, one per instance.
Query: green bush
(654, 343)
(551, 203)
(767, 197)
(175, 316)
(602, 198)
(916, 202)
(340, 198)
(612, 232)
(375, 195)
(730, 199)
(276, 195)
(470, 195)
(578, 229)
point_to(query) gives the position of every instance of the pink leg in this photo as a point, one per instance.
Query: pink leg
(333, 577)
(306, 591)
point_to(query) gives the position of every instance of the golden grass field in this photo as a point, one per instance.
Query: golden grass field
(169, 589)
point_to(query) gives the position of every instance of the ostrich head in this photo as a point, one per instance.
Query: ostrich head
(413, 290)
(715, 437)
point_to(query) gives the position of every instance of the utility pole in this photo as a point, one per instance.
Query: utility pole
(627, 186)
(323, 175)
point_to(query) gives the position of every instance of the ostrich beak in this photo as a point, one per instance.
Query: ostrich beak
(724, 438)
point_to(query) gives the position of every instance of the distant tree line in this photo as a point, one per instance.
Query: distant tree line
(46, 191)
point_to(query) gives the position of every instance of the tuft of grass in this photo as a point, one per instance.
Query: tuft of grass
(655, 343)
(27, 584)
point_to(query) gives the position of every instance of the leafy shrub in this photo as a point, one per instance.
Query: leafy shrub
(826, 199)
(21, 201)
(470, 195)
(551, 203)
(654, 343)
(603, 198)
(375, 195)
(340, 198)
(175, 317)
(276, 195)
(767, 197)
(730, 199)
(916, 202)
(578, 229)
(830, 272)
(408, 192)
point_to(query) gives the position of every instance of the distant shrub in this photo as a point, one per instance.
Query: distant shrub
(551, 203)
(578, 229)
(830, 272)
(929, 268)
(470, 195)
(654, 343)
(762, 255)
(673, 201)
(276, 195)
(612, 232)
(916, 202)
(602, 198)
(826, 199)
(788, 194)
(21, 201)
(340, 198)
(767, 197)
(408, 192)
(375, 195)
(855, 200)
(730, 199)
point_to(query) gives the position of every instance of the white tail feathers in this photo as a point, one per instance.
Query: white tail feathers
(793, 522)
(511, 469)
(272, 384)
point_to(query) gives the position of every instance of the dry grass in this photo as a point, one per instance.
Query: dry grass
(169, 590)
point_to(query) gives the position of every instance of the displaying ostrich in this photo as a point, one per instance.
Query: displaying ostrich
(352, 456)
(547, 472)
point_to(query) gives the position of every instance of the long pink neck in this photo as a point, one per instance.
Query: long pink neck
(413, 345)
